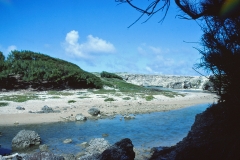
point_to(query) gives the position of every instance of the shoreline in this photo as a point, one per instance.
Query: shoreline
(10, 116)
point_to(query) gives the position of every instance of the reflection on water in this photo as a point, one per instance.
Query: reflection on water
(147, 130)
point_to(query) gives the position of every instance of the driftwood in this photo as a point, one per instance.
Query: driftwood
(10, 156)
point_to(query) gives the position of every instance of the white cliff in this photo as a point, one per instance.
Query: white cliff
(168, 81)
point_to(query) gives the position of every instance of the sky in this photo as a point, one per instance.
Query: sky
(94, 35)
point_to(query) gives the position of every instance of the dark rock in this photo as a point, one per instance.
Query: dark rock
(94, 111)
(122, 150)
(24, 139)
(20, 108)
(187, 85)
(177, 85)
(47, 109)
(43, 156)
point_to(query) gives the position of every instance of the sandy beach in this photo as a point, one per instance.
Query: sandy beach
(137, 105)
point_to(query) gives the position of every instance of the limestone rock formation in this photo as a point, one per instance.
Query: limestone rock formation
(24, 139)
(80, 117)
(95, 148)
(167, 81)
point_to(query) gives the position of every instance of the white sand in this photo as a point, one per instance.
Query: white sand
(9, 115)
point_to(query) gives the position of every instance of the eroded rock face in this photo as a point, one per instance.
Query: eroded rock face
(95, 147)
(24, 139)
(122, 150)
(177, 82)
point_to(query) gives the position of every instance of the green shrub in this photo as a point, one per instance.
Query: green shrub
(149, 97)
(37, 68)
(82, 97)
(19, 98)
(72, 101)
(105, 74)
(109, 99)
(3, 104)
(126, 98)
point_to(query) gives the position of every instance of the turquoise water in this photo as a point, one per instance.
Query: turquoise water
(146, 130)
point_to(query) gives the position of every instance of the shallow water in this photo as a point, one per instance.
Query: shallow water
(146, 130)
(178, 90)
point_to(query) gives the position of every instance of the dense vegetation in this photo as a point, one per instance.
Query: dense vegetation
(105, 74)
(221, 55)
(37, 69)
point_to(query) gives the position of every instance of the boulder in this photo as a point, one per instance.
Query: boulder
(47, 109)
(94, 111)
(80, 117)
(97, 145)
(128, 117)
(43, 147)
(20, 108)
(95, 148)
(24, 139)
(67, 141)
(122, 150)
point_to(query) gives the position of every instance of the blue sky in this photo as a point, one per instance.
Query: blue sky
(94, 34)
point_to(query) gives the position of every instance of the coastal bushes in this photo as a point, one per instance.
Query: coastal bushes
(2, 62)
(105, 74)
(38, 69)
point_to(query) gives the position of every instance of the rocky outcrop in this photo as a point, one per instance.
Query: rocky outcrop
(94, 111)
(214, 135)
(100, 149)
(122, 150)
(24, 139)
(176, 82)
(46, 109)
(20, 108)
(95, 147)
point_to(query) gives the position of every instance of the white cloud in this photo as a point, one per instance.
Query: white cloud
(86, 49)
(11, 48)
(149, 69)
(141, 50)
(156, 50)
